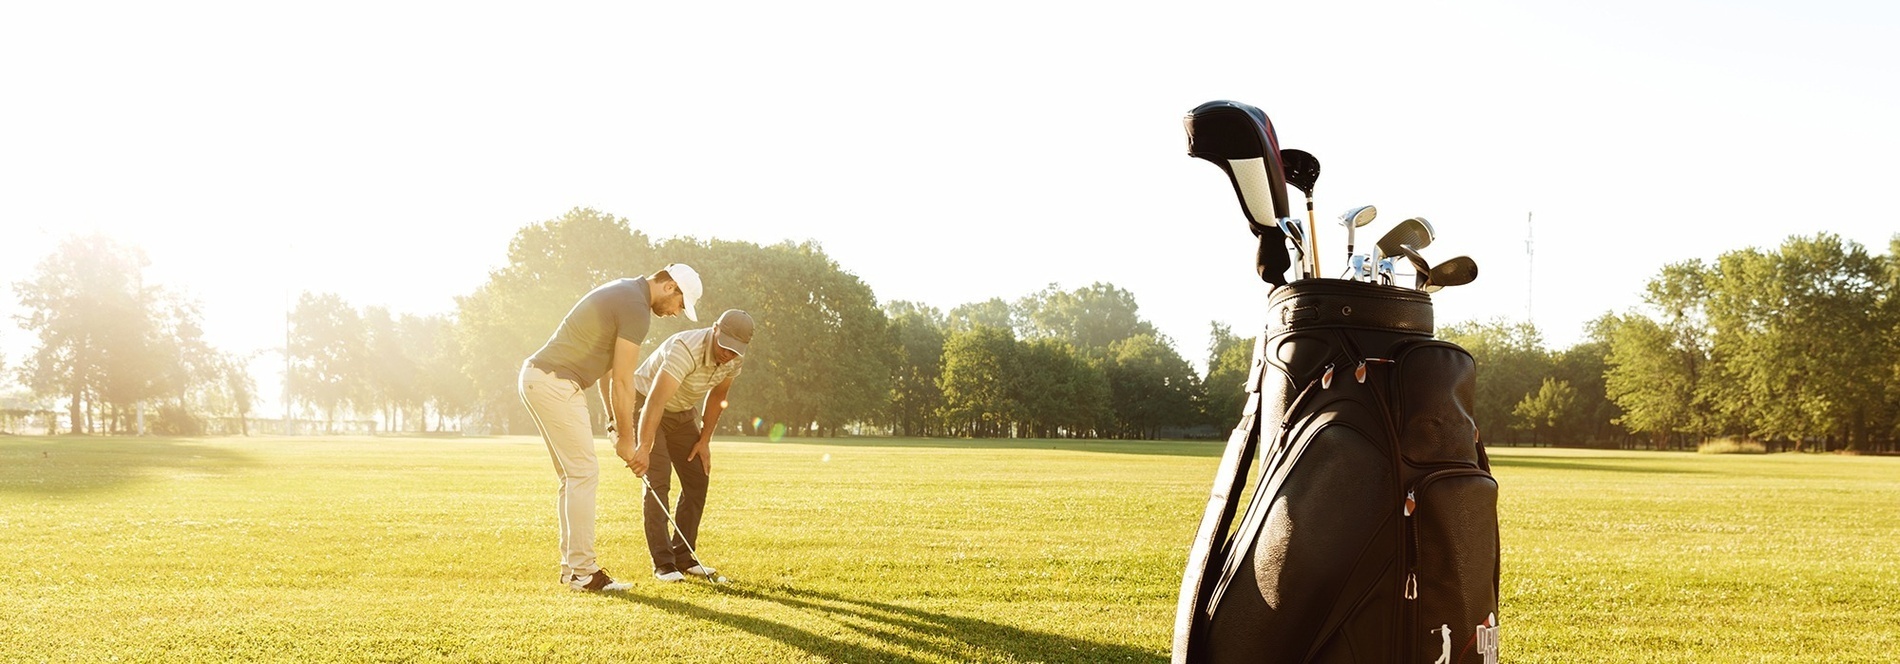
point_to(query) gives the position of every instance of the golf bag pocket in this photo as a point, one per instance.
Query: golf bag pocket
(1433, 387)
(1452, 560)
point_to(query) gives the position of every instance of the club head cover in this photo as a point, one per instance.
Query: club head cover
(1239, 139)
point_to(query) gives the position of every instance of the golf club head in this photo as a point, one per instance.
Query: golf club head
(1453, 272)
(1416, 232)
(1297, 234)
(1302, 170)
(1358, 217)
(1240, 140)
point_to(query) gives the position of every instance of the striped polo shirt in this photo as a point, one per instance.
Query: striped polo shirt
(687, 356)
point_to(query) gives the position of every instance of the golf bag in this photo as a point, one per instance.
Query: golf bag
(1372, 531)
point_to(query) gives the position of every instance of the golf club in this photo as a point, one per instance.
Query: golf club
(1416, 232)
(1352, 220)
(661, 500)
(1302, 171)
(1433, 278)
(1456, 271)
(1297, 234)
(1421, 270)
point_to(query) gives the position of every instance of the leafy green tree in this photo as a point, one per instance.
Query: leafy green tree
(993, 312)
(1584, 367)
(1553, 406)
(1652, 380)
(389, 368)
(1229, 364)
(1060, 392)
(917, 331)
(1090, 319)
(91, 309)
(1150, 386)
(1793, 331)
(980, 364)
(327, 345)
(443, 386)
(1512, 363)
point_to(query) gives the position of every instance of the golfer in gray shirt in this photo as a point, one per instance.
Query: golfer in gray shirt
(598, 342)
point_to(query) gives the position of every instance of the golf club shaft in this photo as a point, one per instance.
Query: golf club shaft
(661, 500)
(1312, 236)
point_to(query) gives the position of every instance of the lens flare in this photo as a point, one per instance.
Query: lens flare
(777, 433)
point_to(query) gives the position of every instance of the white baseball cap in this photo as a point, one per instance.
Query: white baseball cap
(688, 280)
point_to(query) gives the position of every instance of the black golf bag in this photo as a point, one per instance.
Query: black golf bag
(1372, 532)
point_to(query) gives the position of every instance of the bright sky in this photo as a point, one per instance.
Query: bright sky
(945, 153)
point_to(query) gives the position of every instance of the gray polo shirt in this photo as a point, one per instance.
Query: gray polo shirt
(582, 348)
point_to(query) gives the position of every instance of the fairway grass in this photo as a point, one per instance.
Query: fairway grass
(869, 550)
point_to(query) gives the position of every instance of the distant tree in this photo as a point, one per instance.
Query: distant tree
(92, 311)
(327, 345)
(1151, 386)
(917, 331)
(388, 366)
(1089, 319)
(1548, 410)
(238, 391)
(190, 369)
(1060, 392)
(444, 387)
(1584, 367)
(993, 312)
(1794, 331)
(1229, 364)
(980, 365)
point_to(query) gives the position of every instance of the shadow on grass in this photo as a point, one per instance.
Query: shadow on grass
(1590, 465)
(1182, 448)
(79, 464)
(908, 632)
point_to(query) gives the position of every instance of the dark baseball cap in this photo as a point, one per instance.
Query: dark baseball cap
(733, 330)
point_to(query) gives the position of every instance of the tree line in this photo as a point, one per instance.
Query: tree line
(1795, 347)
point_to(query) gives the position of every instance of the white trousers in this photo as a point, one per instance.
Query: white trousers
(560, 412)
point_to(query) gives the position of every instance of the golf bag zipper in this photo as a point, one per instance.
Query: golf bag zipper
(1413, 506)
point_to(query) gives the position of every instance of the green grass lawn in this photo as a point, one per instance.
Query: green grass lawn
(406, 549)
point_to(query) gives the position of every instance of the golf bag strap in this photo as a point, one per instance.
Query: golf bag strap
(1229, 478)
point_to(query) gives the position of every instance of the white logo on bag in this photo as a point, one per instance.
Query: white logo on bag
(1487, 639)
(1444, 640)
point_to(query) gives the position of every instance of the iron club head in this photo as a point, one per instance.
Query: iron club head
(1352, 220)
(1456, 271)
(1416, 232)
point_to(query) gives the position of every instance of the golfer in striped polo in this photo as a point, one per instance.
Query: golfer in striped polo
(682, 386)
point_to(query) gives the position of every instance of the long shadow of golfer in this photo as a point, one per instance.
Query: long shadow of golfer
(81, 464)
(948, 637)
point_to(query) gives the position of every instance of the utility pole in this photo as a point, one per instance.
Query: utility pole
(1530, 272)
(286, 391)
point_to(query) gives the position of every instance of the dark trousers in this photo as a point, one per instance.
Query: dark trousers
(678, 433)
